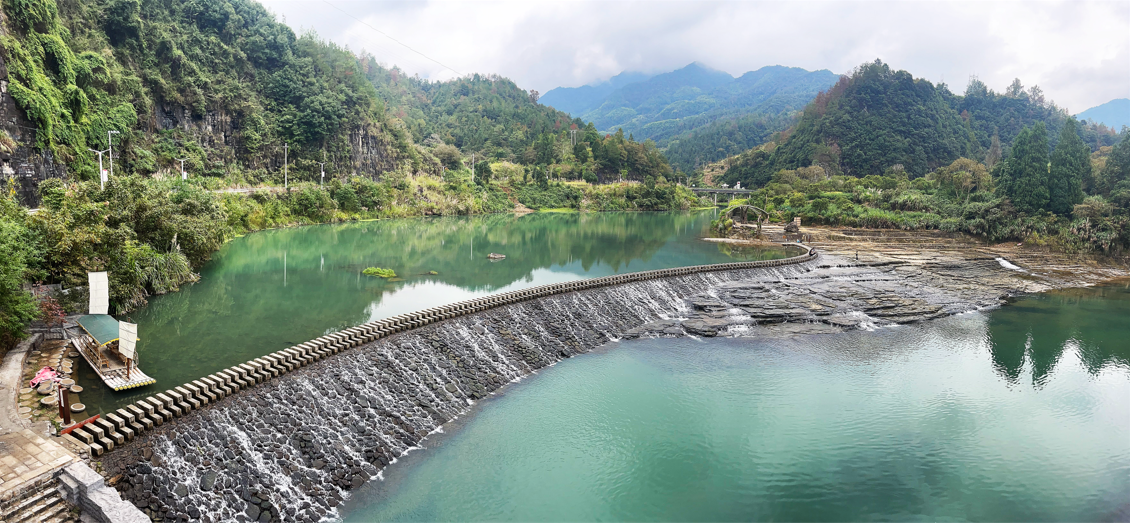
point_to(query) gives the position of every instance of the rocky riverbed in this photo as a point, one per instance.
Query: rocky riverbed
(292, 448)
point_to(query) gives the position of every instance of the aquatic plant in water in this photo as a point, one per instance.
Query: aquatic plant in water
(379, 272)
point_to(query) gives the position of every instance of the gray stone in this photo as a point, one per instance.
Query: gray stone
(705, 326)
(208, 480)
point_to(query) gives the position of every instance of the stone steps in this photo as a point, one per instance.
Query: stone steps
(44, 506)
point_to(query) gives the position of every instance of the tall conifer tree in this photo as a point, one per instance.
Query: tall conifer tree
(1026, 172)
(1070, 163)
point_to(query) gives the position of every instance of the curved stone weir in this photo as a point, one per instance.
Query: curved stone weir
(291, 448)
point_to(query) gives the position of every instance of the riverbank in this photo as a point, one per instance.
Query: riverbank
(333, 425)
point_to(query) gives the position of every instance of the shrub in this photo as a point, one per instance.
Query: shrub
(379, 272)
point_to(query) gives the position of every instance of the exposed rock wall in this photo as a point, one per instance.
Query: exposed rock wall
(21, 163)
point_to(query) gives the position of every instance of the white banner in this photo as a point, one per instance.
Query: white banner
(99, 293)
(127, 339)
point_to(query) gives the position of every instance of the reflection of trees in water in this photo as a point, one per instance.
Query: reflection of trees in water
(445, 245)
(1037, 329)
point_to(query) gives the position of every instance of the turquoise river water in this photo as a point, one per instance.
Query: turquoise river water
(272, 289)
(1018, 414)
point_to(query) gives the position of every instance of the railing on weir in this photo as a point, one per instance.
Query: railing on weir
(124, 424)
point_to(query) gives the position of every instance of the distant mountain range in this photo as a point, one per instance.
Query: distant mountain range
(579, 100)
(675, 107)
(1113, 114)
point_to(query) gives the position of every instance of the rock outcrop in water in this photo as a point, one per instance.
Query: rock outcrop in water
(290, 449)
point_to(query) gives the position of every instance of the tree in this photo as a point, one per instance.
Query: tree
(483, 173)
(1025, 173)
(963, 177)
(17, 307)
(544, 146)
(449, 156)
(1069, 165)
(1015, 89)
(541, 177)
(994, 154)
(1117, 169)
(581, 152)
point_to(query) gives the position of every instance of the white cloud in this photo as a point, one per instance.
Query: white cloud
(1078, 52)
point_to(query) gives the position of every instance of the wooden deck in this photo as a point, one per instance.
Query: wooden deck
(109, 366)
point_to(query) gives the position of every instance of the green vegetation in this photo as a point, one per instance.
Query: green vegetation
(151, 235)
(882, 149)
(17, 308)
(483, 114)
(878, 119)
(157, 70)
(966, 197)
(379, 272)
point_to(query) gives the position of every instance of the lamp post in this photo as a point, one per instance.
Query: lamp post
(322, 165)
(101, 173)
(183, 175)
(110, 143)
(286, 183)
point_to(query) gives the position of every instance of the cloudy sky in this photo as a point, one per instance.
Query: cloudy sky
(1077, 52)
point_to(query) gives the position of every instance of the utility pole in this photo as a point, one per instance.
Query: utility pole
(472, 167)
(323, 166)
(110, 141)
(183, 175)
(286, 182)
(101, 173)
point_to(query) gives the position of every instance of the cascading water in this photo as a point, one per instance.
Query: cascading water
(290, 449)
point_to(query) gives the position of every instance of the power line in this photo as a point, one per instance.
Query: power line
(386, 35)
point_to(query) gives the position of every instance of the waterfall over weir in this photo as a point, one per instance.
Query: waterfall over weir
(291, 448)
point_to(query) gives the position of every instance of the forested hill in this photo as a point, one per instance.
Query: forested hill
(219, 82)
(580, 100)
(699, 114)
(484, 114)
(878, 119)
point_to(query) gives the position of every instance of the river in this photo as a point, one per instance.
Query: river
(273, 289)
(1021, 414)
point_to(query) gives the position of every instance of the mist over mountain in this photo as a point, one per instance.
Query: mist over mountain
(1114, 114)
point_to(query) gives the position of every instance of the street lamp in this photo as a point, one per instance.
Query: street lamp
(110, 142)
(286, 183)
(323, 166)
(183, 175)
(101, 173)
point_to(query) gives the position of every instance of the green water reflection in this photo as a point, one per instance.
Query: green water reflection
(1034, 331)
(273, 289)
(1018, 414)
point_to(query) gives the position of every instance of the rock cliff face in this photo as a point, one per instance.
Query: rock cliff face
(372, 150)
(21, 163)
(292, 448)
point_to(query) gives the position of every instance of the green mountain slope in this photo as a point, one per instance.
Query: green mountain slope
(700, 115)
(219, 82)
(692, 97)
(484, 114)
(879, 119)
